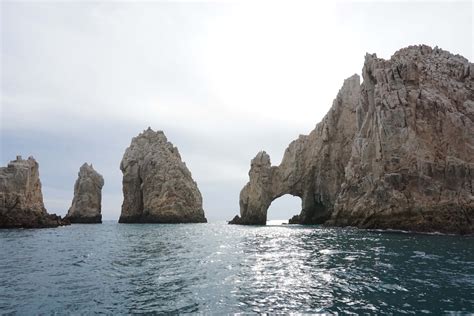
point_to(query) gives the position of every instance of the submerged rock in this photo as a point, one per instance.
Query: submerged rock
(396, 151)
(157, 185)
(86, 204)
(21, 199)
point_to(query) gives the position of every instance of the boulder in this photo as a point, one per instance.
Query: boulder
(21, 199)
(236, 220)
(87, 200)
(157, 185)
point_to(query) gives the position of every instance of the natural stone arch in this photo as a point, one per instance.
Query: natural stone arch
(312, 167)
(267, 184)
(395, 152)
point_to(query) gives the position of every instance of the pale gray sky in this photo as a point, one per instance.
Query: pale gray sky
(222, 79)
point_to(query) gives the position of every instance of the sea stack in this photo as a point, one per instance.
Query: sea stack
(21, 199)
(157, 185)
(87, 200)
(395, 152)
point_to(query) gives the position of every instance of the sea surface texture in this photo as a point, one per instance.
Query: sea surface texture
(219, 268)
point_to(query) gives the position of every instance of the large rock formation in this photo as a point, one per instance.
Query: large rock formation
(87, 200)
(157, 185)
(312, 166)
(395, 152)
(21, 199)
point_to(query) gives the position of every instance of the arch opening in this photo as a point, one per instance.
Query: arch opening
(283, 208)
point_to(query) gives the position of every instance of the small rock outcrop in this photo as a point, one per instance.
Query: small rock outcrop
(157, 185)
(21, 199)
(87, 200)
(395, 152)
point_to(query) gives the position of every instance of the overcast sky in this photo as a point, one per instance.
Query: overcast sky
(223, 80)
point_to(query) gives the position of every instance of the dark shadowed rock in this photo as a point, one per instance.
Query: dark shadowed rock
(21, 199)
(87, 200)
(294, 220)
(236, 220)
(157, 185)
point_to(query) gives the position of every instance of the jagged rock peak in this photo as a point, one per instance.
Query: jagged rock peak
(87, 200)
(21, 199)
(262, 159)
(396, 151)
(320, 151)
(157, 185)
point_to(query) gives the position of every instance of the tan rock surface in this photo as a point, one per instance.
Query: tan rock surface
(157, 185)
(412, 162)
(395, 152)
(87, 200)
(21, 199)
(312, 166)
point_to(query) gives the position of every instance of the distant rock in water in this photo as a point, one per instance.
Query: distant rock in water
(294, 220)
(86, 204)
(21, 199)
(157, 185)
(395, 152)
(236, 220)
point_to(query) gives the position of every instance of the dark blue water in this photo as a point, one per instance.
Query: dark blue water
(119, 268)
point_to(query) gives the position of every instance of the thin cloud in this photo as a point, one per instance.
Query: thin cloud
(223, 80)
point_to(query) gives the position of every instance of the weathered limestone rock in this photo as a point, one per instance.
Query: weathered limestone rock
(157, 185)
(86, 204)
(412, 161)
(395, 152)
(21, 199)
(312, 166)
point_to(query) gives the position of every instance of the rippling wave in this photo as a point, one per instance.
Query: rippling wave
(219, 268)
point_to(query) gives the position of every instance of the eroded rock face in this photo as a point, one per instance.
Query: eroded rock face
(412, 161)
(157, 185)
(21, 199)
(312, 166)
(395, 152)
(86, 204)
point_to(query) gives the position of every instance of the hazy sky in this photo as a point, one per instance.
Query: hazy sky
(222, 79)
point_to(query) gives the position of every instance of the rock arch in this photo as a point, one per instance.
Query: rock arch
(395, 152)
(312, 167)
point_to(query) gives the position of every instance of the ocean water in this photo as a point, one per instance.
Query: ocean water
(202, 268)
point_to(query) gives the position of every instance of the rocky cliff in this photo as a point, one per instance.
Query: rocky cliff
(87, 200)
(396, 151)
(21, 199)
(157, 185)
